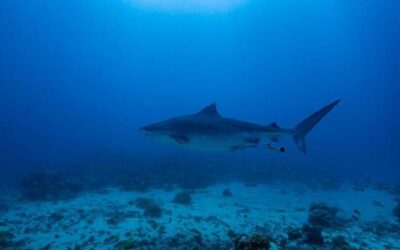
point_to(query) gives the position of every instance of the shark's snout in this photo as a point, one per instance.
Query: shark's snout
(148, 129)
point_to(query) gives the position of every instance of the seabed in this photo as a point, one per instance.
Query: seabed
(220, 216)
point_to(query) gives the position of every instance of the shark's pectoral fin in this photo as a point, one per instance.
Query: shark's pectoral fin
(180, 138)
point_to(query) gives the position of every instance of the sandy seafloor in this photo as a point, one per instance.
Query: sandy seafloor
(99, 220)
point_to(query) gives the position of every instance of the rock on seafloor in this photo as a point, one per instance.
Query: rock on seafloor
(324, 216)
(252, 242)
(227, 193)
(183, 198)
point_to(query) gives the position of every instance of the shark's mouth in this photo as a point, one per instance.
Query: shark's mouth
(206, 6)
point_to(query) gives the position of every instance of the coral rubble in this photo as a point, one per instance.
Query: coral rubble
(153, 211)
(324, 216)
(227, 193)
(340, 243)
(183, 198)
(252, 242)
(312, 235)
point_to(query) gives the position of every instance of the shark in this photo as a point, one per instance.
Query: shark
(208, 130)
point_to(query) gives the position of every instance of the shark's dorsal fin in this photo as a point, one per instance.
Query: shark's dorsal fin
(274, 125)
(210, 110)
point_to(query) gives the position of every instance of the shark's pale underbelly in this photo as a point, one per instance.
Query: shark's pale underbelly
(215, 143)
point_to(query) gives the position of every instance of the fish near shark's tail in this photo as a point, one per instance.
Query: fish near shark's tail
(302, 129)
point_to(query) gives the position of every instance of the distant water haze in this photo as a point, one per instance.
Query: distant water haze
(188, 6)
(80, 77)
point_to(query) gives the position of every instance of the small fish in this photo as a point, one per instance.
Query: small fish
(357, 212)
(208, 130)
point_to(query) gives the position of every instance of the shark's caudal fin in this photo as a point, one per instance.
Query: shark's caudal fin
(302, 129)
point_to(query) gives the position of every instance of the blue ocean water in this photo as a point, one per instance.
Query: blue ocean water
(78, 78)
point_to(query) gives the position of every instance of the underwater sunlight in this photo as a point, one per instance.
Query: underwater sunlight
(191, 6)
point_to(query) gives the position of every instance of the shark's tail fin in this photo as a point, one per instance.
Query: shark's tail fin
(302, 129)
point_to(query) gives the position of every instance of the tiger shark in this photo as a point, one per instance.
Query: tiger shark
(208, 130)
